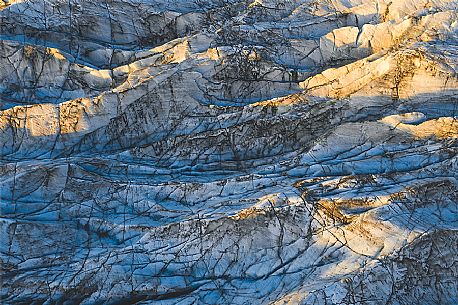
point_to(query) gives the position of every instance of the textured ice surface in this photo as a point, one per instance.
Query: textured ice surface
(229, 152)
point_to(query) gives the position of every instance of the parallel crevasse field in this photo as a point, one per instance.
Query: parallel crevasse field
(229, 152)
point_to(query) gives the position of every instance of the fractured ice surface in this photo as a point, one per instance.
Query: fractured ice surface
(229, 152)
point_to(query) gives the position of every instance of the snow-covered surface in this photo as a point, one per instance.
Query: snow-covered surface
(229, 152)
